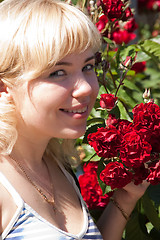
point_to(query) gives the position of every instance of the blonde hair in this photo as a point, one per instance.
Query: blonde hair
(35, 34)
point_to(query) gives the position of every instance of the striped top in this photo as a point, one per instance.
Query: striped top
(27, 224)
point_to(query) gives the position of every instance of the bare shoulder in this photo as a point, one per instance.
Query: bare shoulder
(7, 208)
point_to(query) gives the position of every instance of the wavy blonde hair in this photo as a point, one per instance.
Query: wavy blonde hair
(35, 34)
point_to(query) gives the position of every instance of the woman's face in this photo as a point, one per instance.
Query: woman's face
(58, 103)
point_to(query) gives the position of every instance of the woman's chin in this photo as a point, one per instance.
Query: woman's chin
(73, 134)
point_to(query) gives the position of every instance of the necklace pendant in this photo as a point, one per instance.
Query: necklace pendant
(50, 201)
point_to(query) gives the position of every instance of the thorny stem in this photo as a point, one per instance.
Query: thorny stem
(104, 84)
(112, 78)
(121, 82)
(105, 69)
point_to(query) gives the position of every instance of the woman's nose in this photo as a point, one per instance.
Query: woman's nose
(82, 87)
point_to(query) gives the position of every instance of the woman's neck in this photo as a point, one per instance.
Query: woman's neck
(29, 152)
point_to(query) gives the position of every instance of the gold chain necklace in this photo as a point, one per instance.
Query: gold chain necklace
(51, 202)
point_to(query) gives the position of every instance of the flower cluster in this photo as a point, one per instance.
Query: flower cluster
(120, 18)
(90, 188)
(130, 150)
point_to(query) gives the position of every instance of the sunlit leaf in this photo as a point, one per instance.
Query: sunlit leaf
(152, 49)
(151, 211)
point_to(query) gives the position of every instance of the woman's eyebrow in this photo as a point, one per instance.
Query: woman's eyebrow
(63, 63)
(69, 64)
(90, 58)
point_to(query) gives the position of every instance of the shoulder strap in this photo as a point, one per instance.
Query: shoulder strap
(4, 181)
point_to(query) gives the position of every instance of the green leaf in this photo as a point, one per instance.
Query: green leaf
(128, 51)
(116, 112)
(97, 104)
(107, 40)
(135, 229)
(130, 73)
(74, 2)
(142, 56)
(151, 211)
(95, 120)
(152, 49)
(123, 113)
(126, 98)
(93, 157)
(131, 85)
(102, 90)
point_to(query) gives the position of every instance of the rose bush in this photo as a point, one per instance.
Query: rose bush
(128, 145)
(119, 145)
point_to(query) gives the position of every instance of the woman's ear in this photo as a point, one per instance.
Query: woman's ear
(4, 92)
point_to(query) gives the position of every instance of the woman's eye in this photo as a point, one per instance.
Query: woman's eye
(88, 67)
(58, 73)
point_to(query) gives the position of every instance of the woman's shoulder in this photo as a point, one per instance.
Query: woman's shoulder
(8, 206)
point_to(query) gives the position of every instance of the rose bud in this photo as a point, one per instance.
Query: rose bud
(108, 101)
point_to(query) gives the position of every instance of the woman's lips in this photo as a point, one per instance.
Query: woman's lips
(79, 110)
(76, 113)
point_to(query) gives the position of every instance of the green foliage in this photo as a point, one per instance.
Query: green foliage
(129, 86)
(152, 49)
(136, 228)
(116, 76)
(151, 211)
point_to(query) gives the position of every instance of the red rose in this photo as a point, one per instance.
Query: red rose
(144, 132)
(90, 167)
(154, 176)
(135, 151)
(106, 141)
(111, 120)
(115, 175)
(91, 191)
(140, 174)
(122, 36)
(148, 115)
(113, 9)
(108, 101)
(131, 25)
(139, 67)
(124, 126)
(127, 14)
(101, 24)
(152, 137)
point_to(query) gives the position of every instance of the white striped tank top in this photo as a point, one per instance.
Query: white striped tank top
(27, 224)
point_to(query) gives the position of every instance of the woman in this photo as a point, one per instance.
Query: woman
(48, 88)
